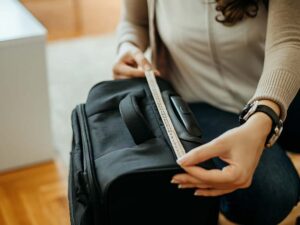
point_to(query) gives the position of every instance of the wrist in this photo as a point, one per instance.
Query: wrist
(272, 105)
(261, 123)
(263, 118)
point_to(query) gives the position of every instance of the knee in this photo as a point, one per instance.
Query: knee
(278, 203)
(272, 195)
(268, 207)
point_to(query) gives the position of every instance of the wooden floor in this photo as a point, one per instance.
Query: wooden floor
(38, 196)
(34, 196)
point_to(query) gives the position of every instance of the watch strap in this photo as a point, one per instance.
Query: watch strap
(277, 123)
(269, 112)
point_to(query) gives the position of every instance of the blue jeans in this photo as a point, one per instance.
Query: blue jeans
(275, 188)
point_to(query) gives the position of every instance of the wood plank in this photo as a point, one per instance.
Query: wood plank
(73, 18)
(33, 196)
(6, 209)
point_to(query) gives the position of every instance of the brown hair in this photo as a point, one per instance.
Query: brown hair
(233, 11)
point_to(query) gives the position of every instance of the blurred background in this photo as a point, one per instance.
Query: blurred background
(51, 53)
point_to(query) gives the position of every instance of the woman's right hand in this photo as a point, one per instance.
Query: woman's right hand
(131, 63)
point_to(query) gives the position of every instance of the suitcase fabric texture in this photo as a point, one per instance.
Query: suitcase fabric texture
(122, 161)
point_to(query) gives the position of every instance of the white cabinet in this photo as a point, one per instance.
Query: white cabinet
(25, 136)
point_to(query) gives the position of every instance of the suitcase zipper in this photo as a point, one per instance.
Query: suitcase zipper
(88, 161)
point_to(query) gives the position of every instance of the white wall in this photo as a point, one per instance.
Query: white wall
(24, 106)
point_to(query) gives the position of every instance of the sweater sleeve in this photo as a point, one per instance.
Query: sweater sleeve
(280, 79)
(133, 26)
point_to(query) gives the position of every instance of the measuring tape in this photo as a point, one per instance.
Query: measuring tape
(154, 88)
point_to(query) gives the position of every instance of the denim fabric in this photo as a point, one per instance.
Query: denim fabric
(275, 188)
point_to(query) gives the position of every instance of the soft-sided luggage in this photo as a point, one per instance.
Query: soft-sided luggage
(122, 161)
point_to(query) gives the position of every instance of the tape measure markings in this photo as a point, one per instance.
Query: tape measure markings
(174, 139)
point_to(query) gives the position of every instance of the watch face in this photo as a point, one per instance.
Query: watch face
(277, 132)
(277, 123)
(248, 111)
(275, 136)
(243, 113)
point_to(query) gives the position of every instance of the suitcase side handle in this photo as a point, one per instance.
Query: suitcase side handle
(185, 124)
(134, 119)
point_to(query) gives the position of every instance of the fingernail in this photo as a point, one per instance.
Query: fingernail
(173, 181)
(180, 186)
(197, 193)
(157, 72)
(181, 161)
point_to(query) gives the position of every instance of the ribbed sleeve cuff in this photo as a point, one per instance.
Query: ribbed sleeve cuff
(280, 86)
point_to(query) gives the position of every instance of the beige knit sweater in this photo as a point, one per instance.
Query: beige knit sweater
(279, 77)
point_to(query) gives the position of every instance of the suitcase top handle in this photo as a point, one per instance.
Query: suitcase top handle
(139, 128)
(134, 119)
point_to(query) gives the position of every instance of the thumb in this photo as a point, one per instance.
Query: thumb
(201, 154)
(142, 61)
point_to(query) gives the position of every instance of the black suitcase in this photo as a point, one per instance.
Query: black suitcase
(122, 161)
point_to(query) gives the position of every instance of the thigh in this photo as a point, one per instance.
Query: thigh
(213, 121)
(272, 195)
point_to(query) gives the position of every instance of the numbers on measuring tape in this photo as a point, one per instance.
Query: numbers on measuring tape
(174, 139)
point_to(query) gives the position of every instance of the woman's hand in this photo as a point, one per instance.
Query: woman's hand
(240, 147)
(131, 63)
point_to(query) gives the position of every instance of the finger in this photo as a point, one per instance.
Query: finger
(129, 71)
(212, 192)
(120, 77)
(184, 178)
(187, 178)
(129, 60)
(157, 73)
(225, 177)
(199, 186)
(201, 154)
(142, 61)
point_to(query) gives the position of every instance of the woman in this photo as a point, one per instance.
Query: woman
(219, 56)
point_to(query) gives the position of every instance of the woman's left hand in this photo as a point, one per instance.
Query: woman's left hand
(240, 147)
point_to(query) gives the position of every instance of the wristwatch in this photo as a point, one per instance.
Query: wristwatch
(277, 123)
